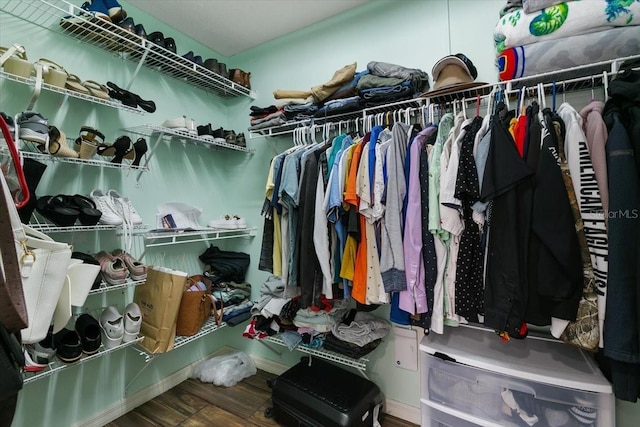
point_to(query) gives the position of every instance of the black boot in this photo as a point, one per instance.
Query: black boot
(33, 171)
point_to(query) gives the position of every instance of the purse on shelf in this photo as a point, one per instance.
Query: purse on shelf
(196, 305)
(43, 264)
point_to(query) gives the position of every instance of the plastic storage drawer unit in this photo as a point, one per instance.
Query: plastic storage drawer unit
(535, 381)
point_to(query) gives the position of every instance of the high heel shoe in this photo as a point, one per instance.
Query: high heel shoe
(123, 147)
(58, 144)
(140, 148)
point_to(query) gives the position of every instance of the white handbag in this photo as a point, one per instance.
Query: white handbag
(43, 268)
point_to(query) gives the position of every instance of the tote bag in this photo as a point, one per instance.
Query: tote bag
(159, 300)
(43, 266)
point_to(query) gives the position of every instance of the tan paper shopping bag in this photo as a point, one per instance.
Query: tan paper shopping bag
(159, 300)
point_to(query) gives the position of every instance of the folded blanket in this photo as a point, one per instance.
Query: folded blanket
(372, 81)
(258, 120)
(531, 6)
(282, 102)
(551, 55)
(278, 121)
(563, 20)
(419, 79)
(340, 106)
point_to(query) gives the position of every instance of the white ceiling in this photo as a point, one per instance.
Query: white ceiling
(232, 26)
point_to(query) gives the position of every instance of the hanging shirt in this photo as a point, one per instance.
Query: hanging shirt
(414, 299)
(392, 257)
(589, 201)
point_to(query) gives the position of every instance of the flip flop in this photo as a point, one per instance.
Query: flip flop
(96, 89)
(74, 83)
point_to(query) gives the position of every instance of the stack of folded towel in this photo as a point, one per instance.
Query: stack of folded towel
(540, 36)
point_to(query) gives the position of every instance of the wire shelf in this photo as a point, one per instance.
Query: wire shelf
(360, 364)
(57, 365)
(51, 228)
(161, 238)
(43, 157)
(86, 97)
(289, 127)
(105, 287)
(65, 18)
(168, 133)
(209, 326)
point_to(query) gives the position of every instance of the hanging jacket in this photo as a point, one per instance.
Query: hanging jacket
(622, 325)
(506, 175)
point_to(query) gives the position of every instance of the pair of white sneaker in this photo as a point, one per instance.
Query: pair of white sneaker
(228, 222)
(118, 328)
(115, 208)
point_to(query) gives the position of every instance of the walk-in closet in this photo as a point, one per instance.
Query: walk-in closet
(325, 213)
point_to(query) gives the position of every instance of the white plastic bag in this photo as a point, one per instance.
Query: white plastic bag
(226, 370)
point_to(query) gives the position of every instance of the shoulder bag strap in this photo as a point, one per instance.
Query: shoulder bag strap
(13, 310)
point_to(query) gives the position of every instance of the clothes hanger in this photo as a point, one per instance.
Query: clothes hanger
(553, 96)
(593, 84)
(605, 81)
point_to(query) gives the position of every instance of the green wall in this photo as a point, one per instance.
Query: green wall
(407, 32)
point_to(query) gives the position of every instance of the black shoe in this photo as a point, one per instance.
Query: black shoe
(198, 60)
(212, 65)
(218, 133)
(33, 171)
(124, 96)
(204, 130)
(68, 346)
(222, 69)
(170, 44)
(128, 25)
(139, 30)
(157, 38)
(88, 330)
(188, 56)
(148, 106)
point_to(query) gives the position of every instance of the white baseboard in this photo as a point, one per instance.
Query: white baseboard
(131, 402)
(403, 411)
(391, 407)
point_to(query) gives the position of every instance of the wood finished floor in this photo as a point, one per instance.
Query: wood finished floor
(196, 404)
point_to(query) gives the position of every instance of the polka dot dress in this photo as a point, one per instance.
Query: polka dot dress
(469, 296)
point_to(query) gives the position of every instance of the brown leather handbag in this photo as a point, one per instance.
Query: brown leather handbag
(195, 307)
(241, 77)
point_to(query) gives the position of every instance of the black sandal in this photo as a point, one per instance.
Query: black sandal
(55, 209)
(89, 215)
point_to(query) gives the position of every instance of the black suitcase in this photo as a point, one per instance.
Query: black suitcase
(315, 393)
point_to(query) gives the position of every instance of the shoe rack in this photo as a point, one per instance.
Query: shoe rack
(31, 81)
(57, 365)
(70, 20)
